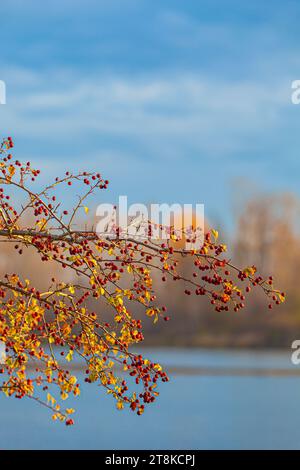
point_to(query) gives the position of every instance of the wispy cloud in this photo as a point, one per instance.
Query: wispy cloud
(216, 115)
(171, 98)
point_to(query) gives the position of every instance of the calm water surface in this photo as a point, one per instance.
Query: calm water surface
(192, 412)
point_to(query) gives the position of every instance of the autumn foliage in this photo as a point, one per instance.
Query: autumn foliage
(45, 331)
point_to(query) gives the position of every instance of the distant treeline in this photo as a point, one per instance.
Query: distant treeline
(267, 235)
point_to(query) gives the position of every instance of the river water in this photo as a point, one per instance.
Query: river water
(215, 400)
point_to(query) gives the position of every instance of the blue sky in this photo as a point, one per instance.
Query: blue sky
(172, 100)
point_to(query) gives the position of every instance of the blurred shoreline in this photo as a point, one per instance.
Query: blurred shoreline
(213, 362)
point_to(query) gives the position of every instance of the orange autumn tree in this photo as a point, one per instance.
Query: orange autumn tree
(43, 331)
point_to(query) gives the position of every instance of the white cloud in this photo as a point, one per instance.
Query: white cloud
(215, 115)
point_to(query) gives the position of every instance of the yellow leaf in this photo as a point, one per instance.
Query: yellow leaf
(41, 223)
(51, 399)
(150, 312)
(64, 395)
(69, 356)
(11, 170)
(77, 391)
(71, 290)
(249, 271)
(215, 234)
(86, 209)
(120, 405)
(101, 290)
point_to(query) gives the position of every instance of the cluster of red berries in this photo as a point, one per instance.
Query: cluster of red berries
(63, 316)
